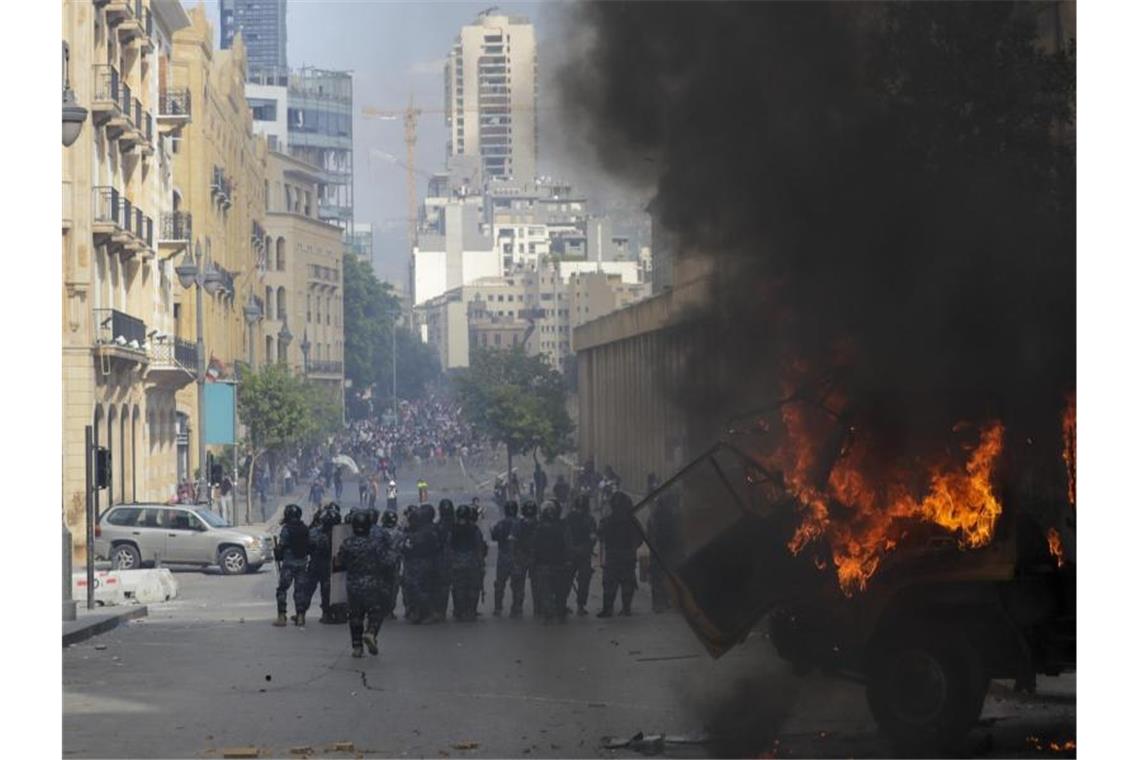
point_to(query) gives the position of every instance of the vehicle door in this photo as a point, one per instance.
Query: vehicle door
(720, 529)
(149, 532)
(118, 524)
(187, 539)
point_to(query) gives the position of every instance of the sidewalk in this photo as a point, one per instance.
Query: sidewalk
(90, 623)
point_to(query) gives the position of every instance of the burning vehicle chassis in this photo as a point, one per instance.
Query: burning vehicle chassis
(925, 630)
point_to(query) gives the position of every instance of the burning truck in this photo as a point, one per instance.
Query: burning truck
(924, 572)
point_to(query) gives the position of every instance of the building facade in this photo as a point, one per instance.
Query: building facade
(220, 167)
(261, 24)
(270, 106)
(490, 92)
(303, 281)
(319, 121)
(121, 224)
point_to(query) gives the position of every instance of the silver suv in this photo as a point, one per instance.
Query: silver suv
(131, 534)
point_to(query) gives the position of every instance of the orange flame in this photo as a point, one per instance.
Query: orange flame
(861, 512)
(1069, 431)
(1055, 547)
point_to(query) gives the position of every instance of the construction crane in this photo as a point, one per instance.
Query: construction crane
(410, 116)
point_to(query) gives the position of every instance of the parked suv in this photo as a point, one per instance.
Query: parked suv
(131, 534)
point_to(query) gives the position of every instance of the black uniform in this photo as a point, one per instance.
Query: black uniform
(468, 550)
(550, 559)
(522, 557)
(320, 566)
(501, 534)
(369, 563)
(620, 540)
(421, 554)
(441, 589)
(292, 552)
(582, 532)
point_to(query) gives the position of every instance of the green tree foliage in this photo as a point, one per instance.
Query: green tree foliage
(516, 400)
(280, 409)
(370, 307)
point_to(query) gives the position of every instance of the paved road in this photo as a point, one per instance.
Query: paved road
(207, 672)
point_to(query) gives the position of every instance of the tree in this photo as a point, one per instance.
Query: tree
(516, 400)
(278, 408)
(370, 310)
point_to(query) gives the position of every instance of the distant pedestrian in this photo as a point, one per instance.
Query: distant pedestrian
(392, 494)
(422, 487)
(338, 482)
(539, 482)
(316, 493)
(562, 490)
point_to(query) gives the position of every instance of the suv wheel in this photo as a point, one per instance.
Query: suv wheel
(232, 561)
(125, 557)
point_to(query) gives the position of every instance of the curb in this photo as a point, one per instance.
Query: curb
(106, 622)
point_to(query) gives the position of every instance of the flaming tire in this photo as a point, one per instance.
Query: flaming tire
(925, 687)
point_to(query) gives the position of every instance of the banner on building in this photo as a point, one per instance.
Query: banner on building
(220, 412)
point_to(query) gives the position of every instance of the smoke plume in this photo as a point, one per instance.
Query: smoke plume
(887, 191)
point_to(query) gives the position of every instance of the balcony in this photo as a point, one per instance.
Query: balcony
(131, 25)
(120, 336)
(119, 11)
(221, 187)
(175, 230)
(107, 99)
(112, 219)
(173, 109)
(135, 133)
(325, 367)
(173, 362)
(324, 276)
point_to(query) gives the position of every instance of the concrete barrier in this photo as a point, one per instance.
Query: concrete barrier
(117, 587)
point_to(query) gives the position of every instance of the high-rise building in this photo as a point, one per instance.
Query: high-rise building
(320, 134)
(262, 27)
(490, 92)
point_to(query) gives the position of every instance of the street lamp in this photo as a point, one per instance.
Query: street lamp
(73, 114)
(252, 312)
(193, 273)
(305, 347)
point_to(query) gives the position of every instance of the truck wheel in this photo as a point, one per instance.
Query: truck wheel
(232, 561)
(125, 557)
(926, 688)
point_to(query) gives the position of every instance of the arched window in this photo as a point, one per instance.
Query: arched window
(269, 313)
(280, 254)
(282, 309)
(268, 349)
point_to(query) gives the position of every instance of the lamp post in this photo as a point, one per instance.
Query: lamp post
(306, 346)
(252, 316)
(396, 319)
(193, 273)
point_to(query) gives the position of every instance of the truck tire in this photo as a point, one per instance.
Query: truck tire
(926, 687)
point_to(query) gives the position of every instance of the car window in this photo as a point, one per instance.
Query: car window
(194, 523)
(151, 518)
(212, 519)
(176, 519)
(124, 516)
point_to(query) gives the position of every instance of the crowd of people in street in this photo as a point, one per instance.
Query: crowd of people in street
(434, 558)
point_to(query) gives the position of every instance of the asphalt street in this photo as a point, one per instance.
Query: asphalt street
(208, 672)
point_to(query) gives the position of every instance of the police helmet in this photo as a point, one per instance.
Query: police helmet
(374, 515)
(328, 518)
(465, 513)
(389, 518)
(426, 513)
(361, 523)
(529, 508)
(293, 512)
(549, 513)
(446, 509)
(334, 509)
(511, 508)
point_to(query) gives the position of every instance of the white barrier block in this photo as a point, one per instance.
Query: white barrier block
(108, 587)
(148, 586)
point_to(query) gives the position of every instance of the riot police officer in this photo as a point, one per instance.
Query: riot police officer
(320, 557)
(582, 533)
(444, 526)
(549, 566)
(501, 534)
(421, 558)
(468, 551)
(368, 563)
(620, 540)
(522, 557)
(395, 537)
(291, 552)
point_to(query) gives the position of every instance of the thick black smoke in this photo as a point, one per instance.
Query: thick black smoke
(889, 189)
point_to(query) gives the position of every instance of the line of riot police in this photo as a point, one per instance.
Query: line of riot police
(433, 558)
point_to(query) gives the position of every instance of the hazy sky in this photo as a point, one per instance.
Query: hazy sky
(394, 48)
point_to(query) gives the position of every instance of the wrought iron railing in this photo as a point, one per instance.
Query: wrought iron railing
(113, 327)
(106, 206)
(126, 101)
(137, 115)
(185, 353)
(174, 102)
(176, 225)
(327, 274)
